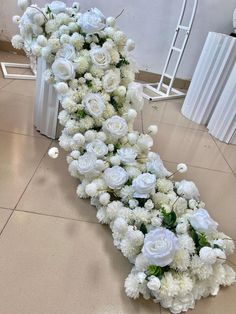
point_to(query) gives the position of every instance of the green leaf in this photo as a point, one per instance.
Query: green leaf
(143, 228)
(122, 62)
(80, 114)
(116, 104)
(89, 84)
(169, 219)
(157, 271)
(202, 240)
(216, 246)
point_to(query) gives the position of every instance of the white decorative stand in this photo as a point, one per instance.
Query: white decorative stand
(46, 104)
(213, 69)
(161, 90)
(222, 124)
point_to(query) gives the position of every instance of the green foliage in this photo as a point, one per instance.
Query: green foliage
(80, 114)
(199, 239)
(157, 271)
(143, 228)
(169, 219)
(122, 62)
(89, 84)
(117, 105)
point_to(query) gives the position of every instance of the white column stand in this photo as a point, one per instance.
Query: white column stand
(222, 124)
(214, 66)
(46, 104)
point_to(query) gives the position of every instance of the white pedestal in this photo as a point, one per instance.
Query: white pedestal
(222, 124)
(46, 104)
(213, 69)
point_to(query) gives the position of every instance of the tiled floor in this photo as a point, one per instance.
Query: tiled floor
(54, 256)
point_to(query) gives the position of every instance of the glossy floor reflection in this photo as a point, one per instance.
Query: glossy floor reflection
(55, 257)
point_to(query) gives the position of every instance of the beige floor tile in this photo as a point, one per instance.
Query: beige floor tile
(218, 191)
(12, 57)
(153, 111)
(229, 152)
(61, 266)
(53, 179)
(138, 125)
(16, 113)
(196, 148)
(19, 157)
(23, 87)
(4, 215)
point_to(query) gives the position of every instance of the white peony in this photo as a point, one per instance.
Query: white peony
(115, 126)
(92, 21)
(115, 177)
(100, 57)
(111, 80)
(67, 51)
(201, 221)
(57, 7)
(135, 95)
(98, 148)
(144, 184)
(127, 155)
(187, 189)
(86, 164)
(160, 246)
(155, 166)
(94, 104)
(63, 69)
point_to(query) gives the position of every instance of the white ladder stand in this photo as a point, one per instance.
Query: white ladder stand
(162, 90)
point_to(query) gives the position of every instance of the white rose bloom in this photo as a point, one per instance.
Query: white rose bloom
(127, 155)
(42, 41)
(98, 148)
(111, 80)
(57, 7)
(86, 163)
(92, 21)
(135, 95)
(115, 177)
(66, 52)
(63, 69)
(187, 189)
(155, 166)
(202, 222)
(94, 104)
(154, 283)
(116, 127)
(144, 184)
(100, 57)
(160, 246)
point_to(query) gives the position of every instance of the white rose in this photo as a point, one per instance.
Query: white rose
(160, 246)
(155, 166)
(63, 69)
(135, 95)
(57, 7)
(115, 177)
(66, 52)
(202, 222)
(111, 80)
(144, 184)
(115, 126)
(92, 21)
(154, 283)
(100, 57)
(127, 155)
(187, 189)
(94, 104)
(86, 163)
(98, 148)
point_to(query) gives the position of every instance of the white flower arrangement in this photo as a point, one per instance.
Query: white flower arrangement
(161, 226)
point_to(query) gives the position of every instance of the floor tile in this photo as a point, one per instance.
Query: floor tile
(19, 157)
(16, 113)
(53, 179)
(229, 152)
(196, 148)
(4, 215)
(61, 266)
(23, 87)
(218, 191)
(153, 111)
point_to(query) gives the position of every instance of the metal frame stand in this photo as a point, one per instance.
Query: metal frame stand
(5, 65)
(166, 91)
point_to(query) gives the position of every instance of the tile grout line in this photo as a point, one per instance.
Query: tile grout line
(222, 154)
(28, 135)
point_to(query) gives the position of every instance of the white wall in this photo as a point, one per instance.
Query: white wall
(151, 23)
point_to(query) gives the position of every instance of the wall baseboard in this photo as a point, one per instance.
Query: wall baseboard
(7, 46)
(150, 77)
